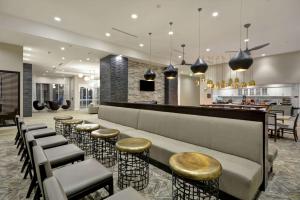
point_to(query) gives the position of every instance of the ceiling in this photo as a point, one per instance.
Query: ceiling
(273, 21)
(46, 55)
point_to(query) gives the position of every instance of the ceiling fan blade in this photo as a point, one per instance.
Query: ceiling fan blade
(259, 47)
(231, 51)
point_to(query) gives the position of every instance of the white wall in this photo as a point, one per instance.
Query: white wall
(277, 69)
(11, 59)
(189, 91)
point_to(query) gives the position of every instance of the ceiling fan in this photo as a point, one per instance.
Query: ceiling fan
(247, 50)
(183, 62)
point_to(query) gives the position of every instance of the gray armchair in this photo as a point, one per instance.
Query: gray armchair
(93, 109)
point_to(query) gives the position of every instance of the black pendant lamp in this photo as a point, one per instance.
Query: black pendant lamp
(150, 74)
(200, 66)
(242, 60)
(170, 72)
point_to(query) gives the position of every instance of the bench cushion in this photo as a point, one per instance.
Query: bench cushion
(107, 124)
(240, 177)
(211, 132)
(123, 116)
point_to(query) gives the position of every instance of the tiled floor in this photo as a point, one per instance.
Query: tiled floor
(284, 183)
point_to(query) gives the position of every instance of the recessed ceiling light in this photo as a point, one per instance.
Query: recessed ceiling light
(134, 16)
(80, 75)
(107, 34)
(62, 48)
(27, 54)
(215, 14)
(47, 71)
(80, 60)
(179, 56)
(88, 59)
(208, 50)
(63, 58)
(53, 66)
(263, 54)
(171, 33)
(141, 45)
(119, 57)
(26, 59)
(27, 49)
(246, 40)
(58, 19)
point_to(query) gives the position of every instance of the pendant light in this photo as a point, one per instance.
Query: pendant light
(236, 83)
(243, 84)
(223, 82)
(170, 72)
(200, 66)
(252, 81)
(230, 81)
(149, 75)
(242, 60)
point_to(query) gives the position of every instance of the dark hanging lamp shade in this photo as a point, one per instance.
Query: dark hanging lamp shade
(170, 72)
(199, 67)
(150, 75)
(241, 61)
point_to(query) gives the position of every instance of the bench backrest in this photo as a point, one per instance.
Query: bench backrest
(237, 137)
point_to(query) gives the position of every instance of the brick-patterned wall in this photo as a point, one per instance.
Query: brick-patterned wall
(136, 72)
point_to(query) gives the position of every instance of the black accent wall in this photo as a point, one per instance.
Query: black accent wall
(27, 90)
(114, 79)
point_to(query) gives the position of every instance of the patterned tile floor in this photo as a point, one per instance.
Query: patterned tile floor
(283, 184)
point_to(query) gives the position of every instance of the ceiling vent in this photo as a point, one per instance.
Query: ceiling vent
(124, 32)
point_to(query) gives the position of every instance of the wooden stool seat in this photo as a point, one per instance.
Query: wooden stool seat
(195, 166)
(62, 117)
(105, 133)
(133, 145)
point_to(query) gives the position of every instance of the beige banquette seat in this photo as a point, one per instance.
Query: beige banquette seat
(237, 144)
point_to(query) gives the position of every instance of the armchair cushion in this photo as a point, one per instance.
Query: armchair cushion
(52, 141)
(128, 194)
(91, 172)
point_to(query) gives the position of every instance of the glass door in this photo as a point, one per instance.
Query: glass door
(86, 96)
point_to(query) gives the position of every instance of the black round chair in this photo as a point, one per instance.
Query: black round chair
(53, 105)
(37, 105)
(65, 107)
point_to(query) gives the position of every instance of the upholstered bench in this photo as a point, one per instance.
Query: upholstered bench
(237, 144)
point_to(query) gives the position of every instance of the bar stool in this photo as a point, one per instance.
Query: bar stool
(58, 124)
(133, 162)
(69, 131)
(195, 176)
(84, 136)
(104, 150)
